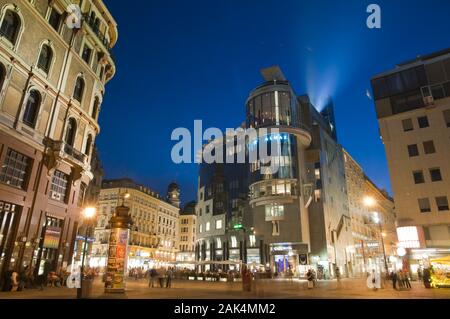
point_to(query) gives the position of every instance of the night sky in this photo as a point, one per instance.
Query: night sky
(180, 60)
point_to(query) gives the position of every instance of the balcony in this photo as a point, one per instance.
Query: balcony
(101, 37)
(276, 190)
(64, 151)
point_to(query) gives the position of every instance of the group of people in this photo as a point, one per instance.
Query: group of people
(401, 278)
(311, 276)
(161, 276)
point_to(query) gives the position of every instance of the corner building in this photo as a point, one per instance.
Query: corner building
(52, 81)
(412, 103)
(293, 218)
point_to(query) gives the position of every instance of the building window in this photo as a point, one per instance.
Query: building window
(45, 58)
(424, 205)
(219, 224)
(447, 117)
(95, 108)
(87, 148)
(54, 19)
(407, 125)
(413, 150)
(71, 131)
(233, 242)
(275, 228)
(274, 210)
(218, 243)
(2, 75)
(59, 186)
(79, 89)
(81, 194)
(435, 174)
(423, 121)
(442, 203)
(252, 240)
(15, 169)
(10, 26)
(428, 147)
(32, 108)
(200, 230)
(208, 226)
(418, 177)
(207, 209)
(86, 55)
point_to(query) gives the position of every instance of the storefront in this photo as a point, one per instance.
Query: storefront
(440, 272)
(286, 256)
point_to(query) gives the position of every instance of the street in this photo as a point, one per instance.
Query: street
(276, 288)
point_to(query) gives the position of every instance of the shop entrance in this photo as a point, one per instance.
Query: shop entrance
(9, 220)
(48, 247)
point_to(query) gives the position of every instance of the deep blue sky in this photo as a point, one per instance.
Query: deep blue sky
(180, 60)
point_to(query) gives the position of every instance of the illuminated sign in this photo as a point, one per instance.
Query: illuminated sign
(52, 236)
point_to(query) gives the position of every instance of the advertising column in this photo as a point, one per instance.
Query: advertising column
(118, 251)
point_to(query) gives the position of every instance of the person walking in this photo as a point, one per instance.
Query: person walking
(407, 282)
(43, 278)
(394, 279)
(153, 277)
(14, 281)
(169, 276)
(310, 278)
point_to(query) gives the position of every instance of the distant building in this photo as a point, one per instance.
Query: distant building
(154, 234)
(368, 253)
(187, 235)
(413, 108)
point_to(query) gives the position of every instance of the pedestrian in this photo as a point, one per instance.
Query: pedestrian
(394, 280)
(407, 282)
(169, 275)
(14, 281)
(22, 278)
(43, 278)
(310, 278)
(153, 277)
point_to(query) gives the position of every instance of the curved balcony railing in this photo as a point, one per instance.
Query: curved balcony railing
(101, 37)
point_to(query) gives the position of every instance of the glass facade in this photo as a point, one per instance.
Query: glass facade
(270, 108)
(285, 159)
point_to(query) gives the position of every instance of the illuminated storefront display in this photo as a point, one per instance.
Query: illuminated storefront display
(440, 274)
(408, 237)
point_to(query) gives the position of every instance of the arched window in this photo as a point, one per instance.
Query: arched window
(87, 149)
(92, 17)
(45, 58)
(102, 71)
(95, 108)
(71, 131)
(32, 108)
(97, 25)
(79, 89)
(10, 26)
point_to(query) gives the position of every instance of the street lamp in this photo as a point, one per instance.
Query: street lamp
(88, 215)
(369, 201)
(377, 220)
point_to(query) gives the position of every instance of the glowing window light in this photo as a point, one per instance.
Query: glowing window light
(408, 237)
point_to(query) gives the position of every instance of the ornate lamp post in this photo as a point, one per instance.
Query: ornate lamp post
(120, 224)
(88, 214)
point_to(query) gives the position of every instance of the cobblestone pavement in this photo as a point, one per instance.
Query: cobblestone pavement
(277, 288)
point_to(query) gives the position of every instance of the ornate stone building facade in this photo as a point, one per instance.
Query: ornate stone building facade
(52, 80)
